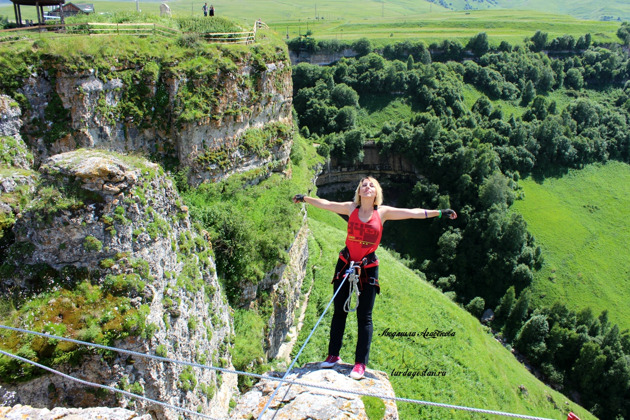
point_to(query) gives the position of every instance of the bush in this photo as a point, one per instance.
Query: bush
(476, 306)
(92, 244)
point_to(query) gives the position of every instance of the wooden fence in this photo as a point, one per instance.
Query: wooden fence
(135, 29)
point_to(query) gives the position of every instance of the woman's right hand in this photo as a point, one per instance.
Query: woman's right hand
(298, 198)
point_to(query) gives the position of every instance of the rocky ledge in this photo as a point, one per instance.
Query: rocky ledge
(300, 402)
(20, 412)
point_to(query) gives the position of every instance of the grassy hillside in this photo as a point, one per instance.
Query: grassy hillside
(500, 25)
(583, 9)
(479, 371)
(381, 22)
(580, 220)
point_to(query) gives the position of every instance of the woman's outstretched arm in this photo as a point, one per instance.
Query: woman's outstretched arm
(394, 213)
(334, 206)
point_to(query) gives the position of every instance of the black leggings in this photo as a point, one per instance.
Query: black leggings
(364, 317)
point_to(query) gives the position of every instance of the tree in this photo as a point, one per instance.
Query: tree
(517, 316)
(529, 92)
(306, 75)
(505, 46)
(478, 44)
(483, 106)
(354, 141)
(538, 41)
(589, 368)
(495, 190)
(447, 248)
(583, 42)
(530, 340)
(362, 47)
(574, 79)
(410, 62)
(546, 80)
(476, 306)
(346, 118)
(624, 33)
(343, 95)
(505, 304)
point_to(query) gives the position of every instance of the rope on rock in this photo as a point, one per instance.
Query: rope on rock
(109, 388)
(236, 372)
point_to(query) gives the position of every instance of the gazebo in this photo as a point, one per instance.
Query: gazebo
(39, 4)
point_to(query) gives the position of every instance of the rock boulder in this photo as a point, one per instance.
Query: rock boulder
(296, 402)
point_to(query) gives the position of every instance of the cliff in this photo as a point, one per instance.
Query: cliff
(106, 253)
(214, 111)
(96, 244)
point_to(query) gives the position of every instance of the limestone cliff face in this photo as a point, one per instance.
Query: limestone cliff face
(104, 235)
(13, 150)
(230, 115)
(284, 286)
(117, 244)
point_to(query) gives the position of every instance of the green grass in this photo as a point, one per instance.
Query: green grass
(509, 25)
(583, 9)
(580, 221)
(479, 371)
(376, 110)
(382, 22)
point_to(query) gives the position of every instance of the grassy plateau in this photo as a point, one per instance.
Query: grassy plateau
(379, 21)
(580, 220)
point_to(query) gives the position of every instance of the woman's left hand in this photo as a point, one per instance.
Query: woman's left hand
(450, 213)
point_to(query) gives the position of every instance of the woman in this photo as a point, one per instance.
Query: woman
(365, 228)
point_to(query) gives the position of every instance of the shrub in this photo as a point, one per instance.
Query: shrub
(187, 379)
(161, 350)
(92, 244)
(476, 306)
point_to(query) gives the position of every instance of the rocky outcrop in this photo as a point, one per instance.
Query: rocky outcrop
(321, 58)
(339, 177)
(231, 115)
(20, 412)
(296, 402)
(17, 182)
(284, 286)
(110, 233)
(13, 150)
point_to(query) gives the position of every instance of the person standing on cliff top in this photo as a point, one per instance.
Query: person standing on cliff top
(205, 9)
(365, 227)
(211, 10)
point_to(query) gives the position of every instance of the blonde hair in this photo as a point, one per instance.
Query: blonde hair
(378, 200)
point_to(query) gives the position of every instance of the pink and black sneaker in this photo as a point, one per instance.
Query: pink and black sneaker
(330, 362)
(358, 372)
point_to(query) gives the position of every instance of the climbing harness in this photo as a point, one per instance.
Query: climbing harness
(297, 356)
(353, 273)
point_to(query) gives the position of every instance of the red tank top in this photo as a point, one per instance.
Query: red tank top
(363, 238)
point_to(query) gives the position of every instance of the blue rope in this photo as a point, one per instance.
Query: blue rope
(348, 272)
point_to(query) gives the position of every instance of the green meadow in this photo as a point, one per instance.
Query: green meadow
(479, 371)
(381, 22)
(579, 8)
(581, 221)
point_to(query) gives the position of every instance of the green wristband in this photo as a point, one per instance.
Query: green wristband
(440, 214)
